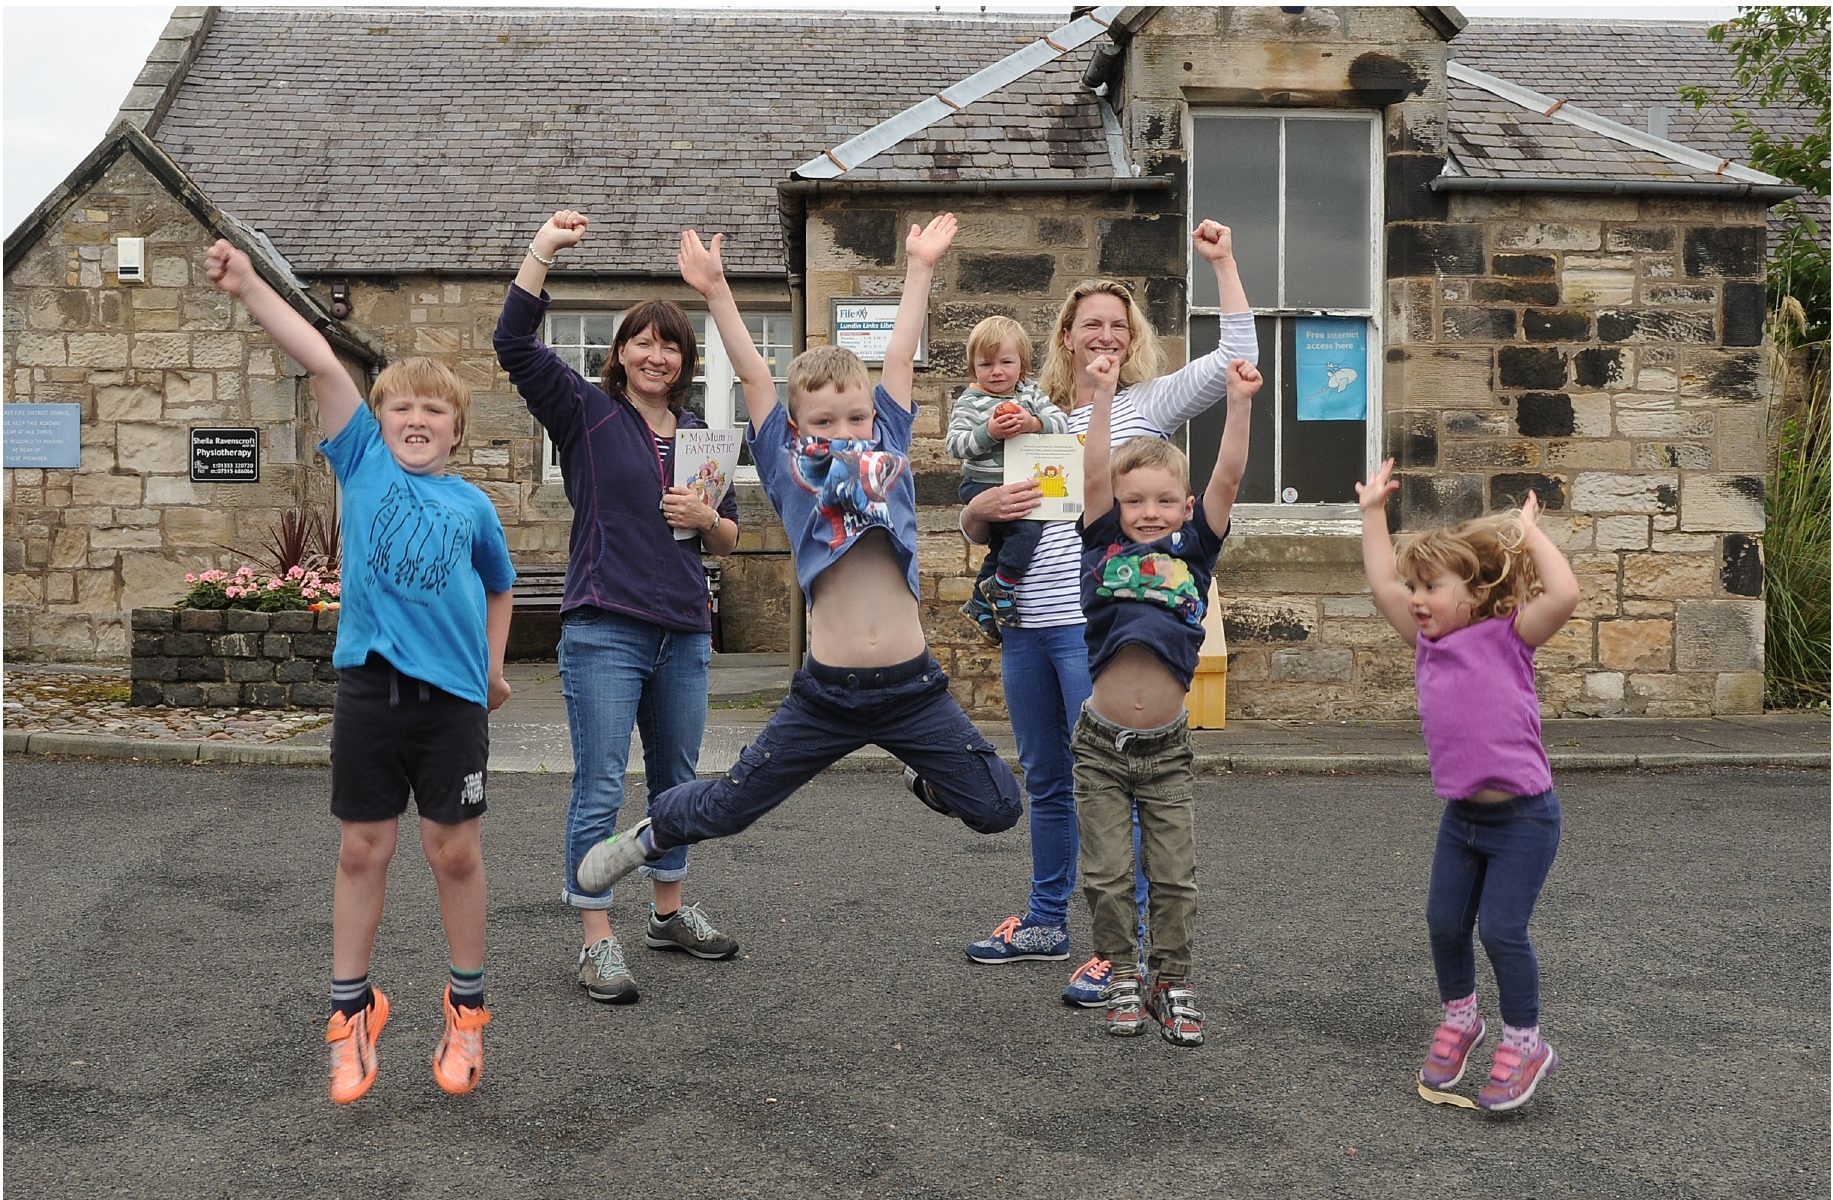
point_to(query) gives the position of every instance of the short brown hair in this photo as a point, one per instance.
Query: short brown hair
(1147, 452)
(994, 332)
(422, 376)
(1487, 553)
(825, 366)
(1145, 358)
(670, 322)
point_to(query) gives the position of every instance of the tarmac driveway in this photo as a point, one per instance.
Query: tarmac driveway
(167, 949)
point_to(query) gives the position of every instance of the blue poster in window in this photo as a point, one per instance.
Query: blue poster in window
(1332, 368)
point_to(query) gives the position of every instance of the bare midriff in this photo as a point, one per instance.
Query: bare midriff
(1136, 690)
(862, 613)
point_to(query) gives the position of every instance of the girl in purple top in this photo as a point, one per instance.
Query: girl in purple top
(1475, 601)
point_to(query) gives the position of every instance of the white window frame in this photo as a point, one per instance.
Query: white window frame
(1333, 511)
(714, 372)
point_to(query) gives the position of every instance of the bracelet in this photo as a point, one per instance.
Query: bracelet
(536, 255)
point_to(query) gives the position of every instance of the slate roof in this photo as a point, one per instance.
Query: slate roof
(392, 139)
(403, 139)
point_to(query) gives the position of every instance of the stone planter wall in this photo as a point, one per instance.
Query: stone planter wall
(230, 658)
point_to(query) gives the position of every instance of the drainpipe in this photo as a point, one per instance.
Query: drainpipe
(1770, 192)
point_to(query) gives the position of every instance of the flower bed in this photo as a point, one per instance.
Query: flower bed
(233, 658)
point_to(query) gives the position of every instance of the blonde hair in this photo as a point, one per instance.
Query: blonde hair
(825, 366)
(422, 376)
(1145, 357)
(1487, 553)
(1146, 452)
(994, 332)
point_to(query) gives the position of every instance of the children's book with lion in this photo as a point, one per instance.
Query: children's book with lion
(1054, 462)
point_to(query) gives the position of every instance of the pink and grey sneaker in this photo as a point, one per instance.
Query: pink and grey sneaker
(1174, 1006)
(1451, 1047)
(1515, 1076)
(1125, 1011)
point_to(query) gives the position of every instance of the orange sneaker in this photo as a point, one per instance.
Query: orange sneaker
(458, 1063)
(353, 1048)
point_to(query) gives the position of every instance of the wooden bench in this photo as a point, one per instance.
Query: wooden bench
(534, 627)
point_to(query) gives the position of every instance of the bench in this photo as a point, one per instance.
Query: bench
(534, 626)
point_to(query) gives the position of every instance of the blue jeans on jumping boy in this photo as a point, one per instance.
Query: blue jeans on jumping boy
(829, 713)
(1487, 872)
(619, 672)
(1046, 682)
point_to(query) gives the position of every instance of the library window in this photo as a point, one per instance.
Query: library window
(1299, 190)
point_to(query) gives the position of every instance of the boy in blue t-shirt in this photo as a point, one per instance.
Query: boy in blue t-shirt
(835, 465)
(1148, 550)
(420, 639)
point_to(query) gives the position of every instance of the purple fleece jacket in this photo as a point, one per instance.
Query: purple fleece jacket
(622, 556)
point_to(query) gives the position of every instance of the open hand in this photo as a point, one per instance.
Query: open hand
(228, 268)
(1214, 240)
(927, 244)
(1374, 493)
(565, 228)
(1530, 510)
(701, 265)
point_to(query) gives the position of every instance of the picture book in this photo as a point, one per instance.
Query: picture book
(704, 462)
(1054, 461)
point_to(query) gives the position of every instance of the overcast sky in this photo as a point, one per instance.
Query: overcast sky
(67, 69)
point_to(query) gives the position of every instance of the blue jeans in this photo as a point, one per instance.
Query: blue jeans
(617, 672)
(829, 713)
(1045, 675)
(1487, 871)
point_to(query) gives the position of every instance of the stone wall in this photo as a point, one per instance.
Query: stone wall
(146, 362)
(231, 658)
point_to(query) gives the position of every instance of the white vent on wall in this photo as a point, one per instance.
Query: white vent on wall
(130, 259)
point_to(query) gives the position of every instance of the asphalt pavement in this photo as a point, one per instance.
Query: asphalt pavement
(167, 947)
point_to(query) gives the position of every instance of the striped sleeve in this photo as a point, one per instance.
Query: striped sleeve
(1170, 400)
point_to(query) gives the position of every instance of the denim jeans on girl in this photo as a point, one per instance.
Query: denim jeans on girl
(1046, 681)
(1487, 871)
(617, 672)
(829, 713)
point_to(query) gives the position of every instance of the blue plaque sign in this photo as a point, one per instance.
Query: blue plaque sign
(43, 435)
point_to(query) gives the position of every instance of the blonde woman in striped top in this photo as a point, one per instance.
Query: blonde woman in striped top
(1044, 662)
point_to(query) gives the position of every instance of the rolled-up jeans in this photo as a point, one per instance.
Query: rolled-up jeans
(1121, 772)
(618, 672)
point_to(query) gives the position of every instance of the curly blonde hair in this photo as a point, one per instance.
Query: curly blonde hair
(1145, 357)
(1488, 553)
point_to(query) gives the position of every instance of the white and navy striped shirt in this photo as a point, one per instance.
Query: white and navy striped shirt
(1049, 593)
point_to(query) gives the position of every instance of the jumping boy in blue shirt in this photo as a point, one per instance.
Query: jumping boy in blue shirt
(420, 641)
(835, 466)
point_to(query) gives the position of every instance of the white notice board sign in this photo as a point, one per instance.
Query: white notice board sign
(864, 327)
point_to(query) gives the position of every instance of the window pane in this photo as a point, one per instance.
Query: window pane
(562, 329)
(1327, 203)
(1320, 460)
(599, 329)
(1206, 428)
(1235, 180)
(593, 360)
(696, 399)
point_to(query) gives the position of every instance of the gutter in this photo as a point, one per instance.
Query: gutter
(1769, 193)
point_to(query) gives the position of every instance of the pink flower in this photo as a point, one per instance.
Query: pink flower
(232, 591)
(246, 571)
(311, 593)
(190, 579)
(273, 585)
(295, 572)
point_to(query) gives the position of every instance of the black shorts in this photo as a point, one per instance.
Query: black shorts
(392, 734)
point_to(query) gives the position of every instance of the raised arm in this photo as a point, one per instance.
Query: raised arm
(336, 393)
(1391, 598)
(1172, 399)
(923, 249)
(703, 270)
(1098, 449)
(1215, 244)
(1231, 458)
(563, 230)
(1547, 613)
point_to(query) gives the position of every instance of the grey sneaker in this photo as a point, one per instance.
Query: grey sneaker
(611, 860)
(604, 974)
(688, 929)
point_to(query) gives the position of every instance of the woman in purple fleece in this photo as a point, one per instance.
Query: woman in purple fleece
(636, 635)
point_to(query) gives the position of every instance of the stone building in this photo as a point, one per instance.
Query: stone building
(1557, 287)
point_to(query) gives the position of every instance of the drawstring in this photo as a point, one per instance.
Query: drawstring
(394, 689)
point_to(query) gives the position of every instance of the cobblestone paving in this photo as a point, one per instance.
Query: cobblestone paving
(68, 702)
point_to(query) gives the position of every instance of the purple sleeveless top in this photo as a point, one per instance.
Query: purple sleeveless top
(1479, 712)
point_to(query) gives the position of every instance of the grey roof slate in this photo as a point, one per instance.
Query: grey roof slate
(401, 139)
(391, 139)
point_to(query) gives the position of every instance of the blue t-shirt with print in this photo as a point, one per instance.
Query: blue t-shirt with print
(1149, 594)
(419, 553)
(830, 492)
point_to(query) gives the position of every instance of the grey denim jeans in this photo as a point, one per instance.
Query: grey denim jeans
(1118, 769)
